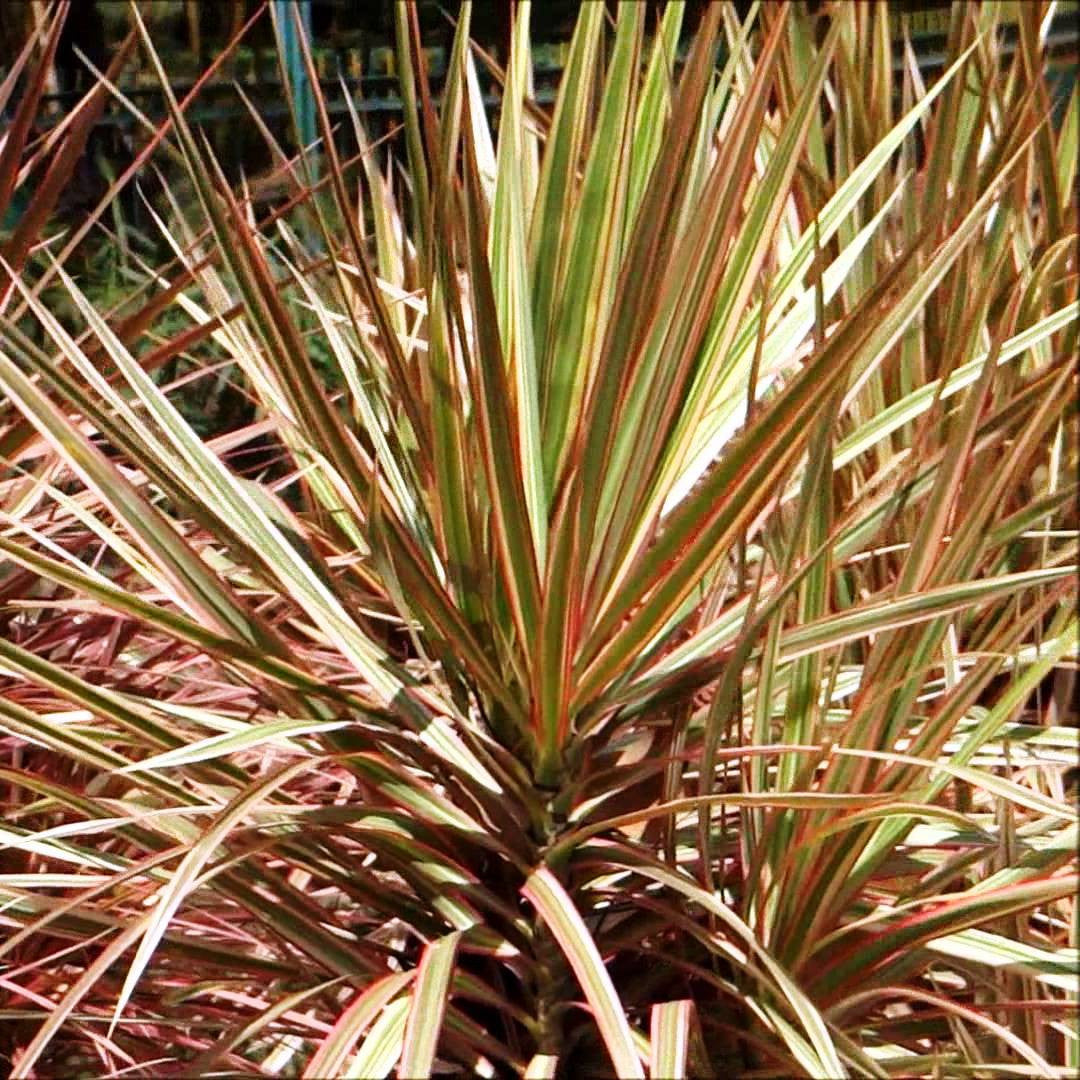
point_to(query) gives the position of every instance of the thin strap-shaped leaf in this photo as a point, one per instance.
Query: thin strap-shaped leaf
(430, 994)
(177, 625)
(285, 1006)
(202, 591)
(557, 909)
(894, 416)
(510, 284)
(69, 1002)
(652, 112)
(382, 1047)
(592, 262)
(861, 959)
(714, 259)
(556, 197)
(669, 1036)
(542, 1067)
(827, 1060)
(17, 131)
(901, 611)
(494, 420)
(216, 746)
(1055, 968)
(729, 497)
(153, 926)
(332, 1052)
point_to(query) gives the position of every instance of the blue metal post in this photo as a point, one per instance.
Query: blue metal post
(303, 99)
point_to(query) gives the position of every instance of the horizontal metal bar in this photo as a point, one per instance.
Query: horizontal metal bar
(280, 108)
(1063, 35)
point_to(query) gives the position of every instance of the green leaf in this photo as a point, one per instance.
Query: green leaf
(904, 610)
(151, 928)
(278, 733)
(670, 1034)
(430, 995)
(382, 1048)
(368, 1004)
(555, 906)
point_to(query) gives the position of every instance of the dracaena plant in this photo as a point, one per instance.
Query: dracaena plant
(645, 652)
